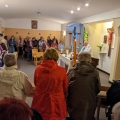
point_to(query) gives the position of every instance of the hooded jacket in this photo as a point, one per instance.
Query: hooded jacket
(84, 85)
(14, 83)
(51, 85)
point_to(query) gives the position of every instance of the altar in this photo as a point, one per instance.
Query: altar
(64, 60)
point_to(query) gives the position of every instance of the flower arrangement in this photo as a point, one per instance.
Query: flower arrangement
(100, 46)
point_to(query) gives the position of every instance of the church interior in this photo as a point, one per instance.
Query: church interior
(73, 22)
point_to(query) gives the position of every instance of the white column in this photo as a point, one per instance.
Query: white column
(115, 68)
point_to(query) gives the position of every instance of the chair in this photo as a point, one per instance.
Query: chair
(34, 51)
(16, 54)
(101, 96)
(36, 56)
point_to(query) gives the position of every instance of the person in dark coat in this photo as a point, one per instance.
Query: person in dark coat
(34, 42)
(25, 48)
(112, 97)
(49, 41)
(20, 46)
(54, 39)
(29, 49)
(12, 44)
(84, 85)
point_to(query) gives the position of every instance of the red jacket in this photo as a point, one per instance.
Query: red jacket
(51, 84)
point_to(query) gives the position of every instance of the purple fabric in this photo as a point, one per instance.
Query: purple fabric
(28, 45)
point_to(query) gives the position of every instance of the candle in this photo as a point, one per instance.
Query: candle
(74, 51)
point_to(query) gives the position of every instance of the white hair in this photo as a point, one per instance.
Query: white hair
(84, 56)
(116, 111)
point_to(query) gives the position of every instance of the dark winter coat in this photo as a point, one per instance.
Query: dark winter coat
(84, 85)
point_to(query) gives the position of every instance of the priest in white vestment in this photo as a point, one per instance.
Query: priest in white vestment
(86, 47)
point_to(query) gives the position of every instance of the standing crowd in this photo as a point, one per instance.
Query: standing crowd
(57, 93)
(24, 46)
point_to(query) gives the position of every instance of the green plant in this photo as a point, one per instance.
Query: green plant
(100, 46)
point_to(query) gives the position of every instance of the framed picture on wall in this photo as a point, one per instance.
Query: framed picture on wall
(34, 24)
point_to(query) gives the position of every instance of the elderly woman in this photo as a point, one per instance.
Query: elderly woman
(51, 87)
(84, 85)
(13, 83)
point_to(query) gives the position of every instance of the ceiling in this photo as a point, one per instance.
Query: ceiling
(55, 10)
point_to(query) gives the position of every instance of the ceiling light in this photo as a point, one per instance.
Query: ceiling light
(78, 8)
(72, 11)
(86, 4)
(6, 5)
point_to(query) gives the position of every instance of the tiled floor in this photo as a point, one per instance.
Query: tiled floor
(28, 68)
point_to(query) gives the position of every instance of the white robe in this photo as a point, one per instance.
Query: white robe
(86, 49)
(61, 46)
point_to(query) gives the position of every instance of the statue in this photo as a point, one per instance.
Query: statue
(105, 39)
(110, 31)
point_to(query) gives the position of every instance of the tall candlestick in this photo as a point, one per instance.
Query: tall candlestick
(74, 51)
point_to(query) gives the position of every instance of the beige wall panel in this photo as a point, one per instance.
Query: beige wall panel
(32, 33)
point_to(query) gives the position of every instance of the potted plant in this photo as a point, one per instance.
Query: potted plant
(100, 46)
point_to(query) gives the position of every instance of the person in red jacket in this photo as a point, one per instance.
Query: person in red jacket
(51, 84)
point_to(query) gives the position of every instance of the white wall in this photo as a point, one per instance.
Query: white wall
(26, 24)
(105, 62)
(2, 22)
(99, 17)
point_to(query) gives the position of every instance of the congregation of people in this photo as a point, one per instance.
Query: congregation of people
(57, 94)
(24, 46)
